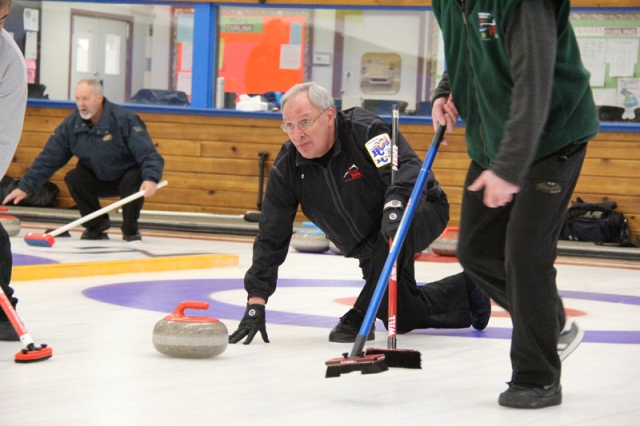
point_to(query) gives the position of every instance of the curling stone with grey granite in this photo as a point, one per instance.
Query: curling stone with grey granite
(447, 243)
(11, 224)
(333, 248)
(182, 336)
(311, 240)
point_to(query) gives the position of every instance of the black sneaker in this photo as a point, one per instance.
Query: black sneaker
(89, 235)
(349, 327)
(528, 396)
(7, 332)
(131, 238)
(480, 309)
(96, 232)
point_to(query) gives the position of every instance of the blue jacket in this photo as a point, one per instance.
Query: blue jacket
(116, 144)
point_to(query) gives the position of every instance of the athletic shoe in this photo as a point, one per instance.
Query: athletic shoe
(569, 339)
(7, 332)
(131, 238)
(480, 309)
(96, 232)
(527, 396)
(349, 327)
(89, 235)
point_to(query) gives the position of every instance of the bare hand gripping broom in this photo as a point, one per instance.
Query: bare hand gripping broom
(375, 363)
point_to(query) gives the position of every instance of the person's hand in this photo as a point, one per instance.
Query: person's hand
(149, 187)
(252, 322)
(445, 113)
(391, 221)
(497, 191)
(16, 196)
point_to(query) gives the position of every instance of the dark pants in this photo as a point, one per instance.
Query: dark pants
(86, 189)
(510, 253)
(6, 263)
(441, 304)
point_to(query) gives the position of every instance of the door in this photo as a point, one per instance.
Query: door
(100, 49)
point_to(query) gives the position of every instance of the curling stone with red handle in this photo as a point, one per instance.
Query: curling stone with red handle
(183, 336)
(11, 224)
(447, 243)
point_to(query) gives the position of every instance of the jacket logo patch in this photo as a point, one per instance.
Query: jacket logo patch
(379, 149)
(352, 173)
(137, 129)
(107, 137)
(488, 28)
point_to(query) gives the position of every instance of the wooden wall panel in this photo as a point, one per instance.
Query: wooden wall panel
(212, 163)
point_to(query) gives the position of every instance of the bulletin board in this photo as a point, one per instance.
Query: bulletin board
(610, 49)
(181, 49)
(261, 52)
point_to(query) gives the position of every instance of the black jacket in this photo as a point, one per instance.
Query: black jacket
(116, 144)
(344, 199)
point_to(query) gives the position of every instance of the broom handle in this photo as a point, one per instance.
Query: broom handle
(393, 278)
(361, 338)
(102, 211)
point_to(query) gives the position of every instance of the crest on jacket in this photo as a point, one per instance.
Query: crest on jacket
(488, 28)
(379, 148)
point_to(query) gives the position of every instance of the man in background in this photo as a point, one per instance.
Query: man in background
(116, 157)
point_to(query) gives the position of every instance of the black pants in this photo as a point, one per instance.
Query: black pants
(86, 189)
(510, 253)
(6, 263)
(441, 304)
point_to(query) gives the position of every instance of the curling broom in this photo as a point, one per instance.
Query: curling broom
(47, 239)
(357, 360)
(402, 358)
(30, 352)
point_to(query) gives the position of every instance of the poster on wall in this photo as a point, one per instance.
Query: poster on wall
(262, 53)
(629, 96)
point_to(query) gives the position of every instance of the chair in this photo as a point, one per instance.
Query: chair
(160, 97)
(383, 106)
(36, 91)
(610, 113)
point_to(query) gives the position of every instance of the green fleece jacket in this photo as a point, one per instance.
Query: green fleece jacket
(496, 49)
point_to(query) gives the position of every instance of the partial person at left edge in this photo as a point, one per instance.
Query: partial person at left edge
(13, 103)
(116, 157)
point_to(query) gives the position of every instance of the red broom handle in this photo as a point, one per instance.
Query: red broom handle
(393, 283)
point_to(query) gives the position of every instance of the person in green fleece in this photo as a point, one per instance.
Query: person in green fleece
(515, 77)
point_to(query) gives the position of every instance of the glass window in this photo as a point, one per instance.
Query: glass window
(366, 57)
(609, 45)
(140, 52)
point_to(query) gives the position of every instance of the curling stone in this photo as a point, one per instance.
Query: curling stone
(333, 248)
(11, 224)
(447, 243)
(183, 336)
(311, 240)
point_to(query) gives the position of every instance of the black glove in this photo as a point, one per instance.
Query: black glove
(390, 221)
(252, 321)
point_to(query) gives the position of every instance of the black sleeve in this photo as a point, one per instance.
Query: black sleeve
(531, 44)
(271, 246)
(443, 88)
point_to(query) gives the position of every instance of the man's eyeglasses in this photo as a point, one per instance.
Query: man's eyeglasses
(303, 125)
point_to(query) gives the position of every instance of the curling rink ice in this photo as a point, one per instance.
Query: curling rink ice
(105, 370)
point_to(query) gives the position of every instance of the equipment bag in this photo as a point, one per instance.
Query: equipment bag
(594, 222)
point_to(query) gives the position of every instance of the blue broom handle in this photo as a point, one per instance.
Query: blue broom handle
(403, 228)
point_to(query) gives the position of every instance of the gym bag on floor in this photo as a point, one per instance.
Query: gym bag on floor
(594, 222)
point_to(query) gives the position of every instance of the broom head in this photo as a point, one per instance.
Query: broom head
(366, 364)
